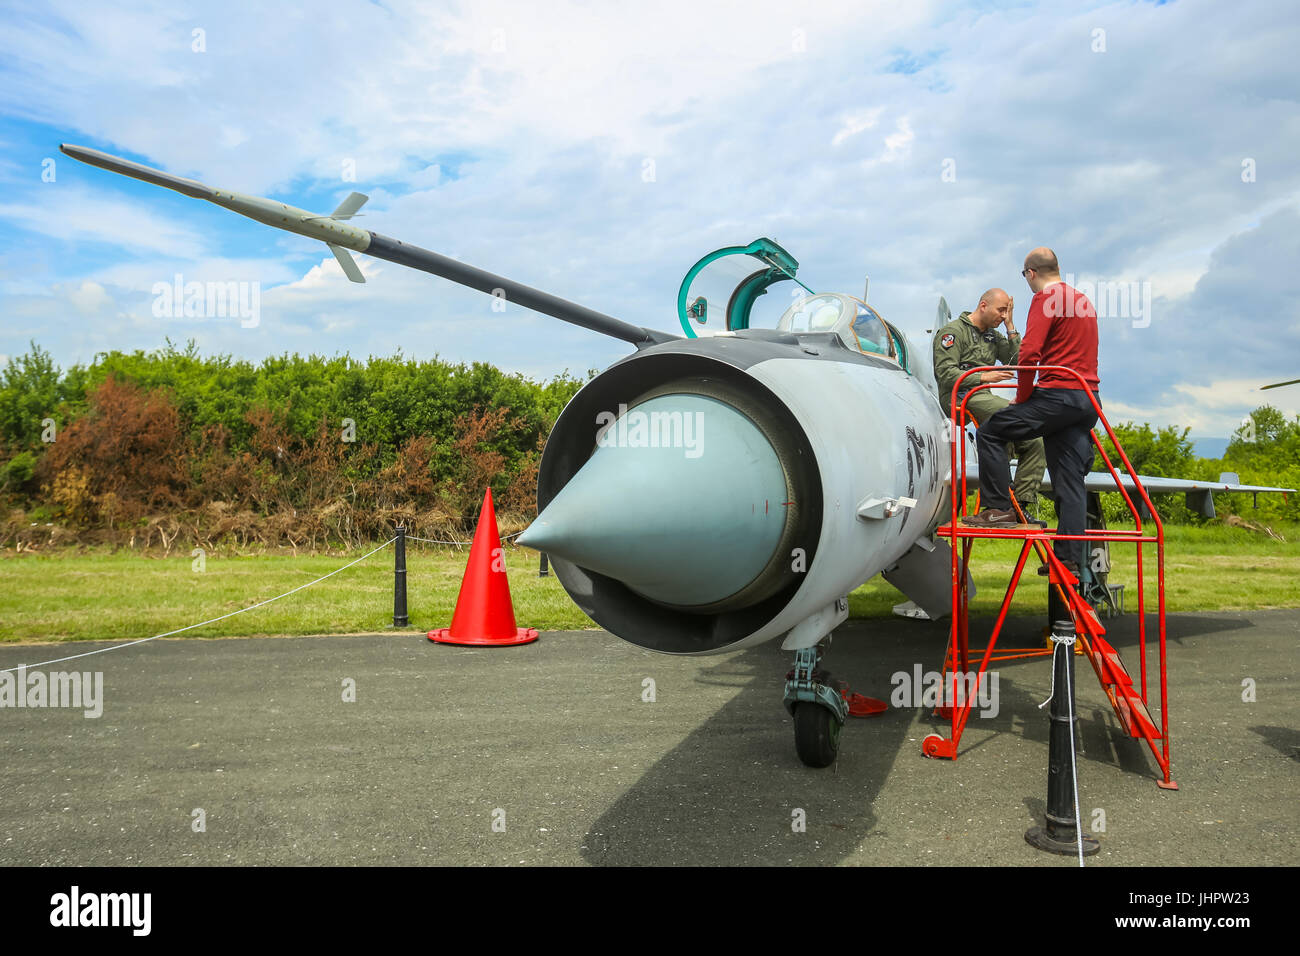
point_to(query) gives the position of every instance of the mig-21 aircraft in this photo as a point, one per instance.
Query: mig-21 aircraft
(726, 485)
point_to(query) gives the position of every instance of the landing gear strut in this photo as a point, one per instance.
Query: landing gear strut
(817, 703)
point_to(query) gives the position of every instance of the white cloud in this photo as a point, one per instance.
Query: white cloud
(140, 275)
(474, 76)
(857, 123)
(87, 298)
(1219, 408)
(328, 275)
(1203, 421)
(898, 143)
(78, 214)
(528, 161)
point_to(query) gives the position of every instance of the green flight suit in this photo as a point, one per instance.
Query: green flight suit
(959, 346)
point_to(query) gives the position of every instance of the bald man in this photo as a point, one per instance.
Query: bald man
(970, 341)
(1061, 330)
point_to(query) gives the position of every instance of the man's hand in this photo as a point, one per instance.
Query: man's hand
(1009, 321)
(996, 376)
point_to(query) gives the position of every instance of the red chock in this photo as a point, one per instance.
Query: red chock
(485, 616)
(863, 706)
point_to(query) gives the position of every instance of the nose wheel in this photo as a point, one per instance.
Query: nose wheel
(816, 734)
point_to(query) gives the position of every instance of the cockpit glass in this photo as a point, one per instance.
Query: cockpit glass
(817, 313)
(857, 325)
(870, 330)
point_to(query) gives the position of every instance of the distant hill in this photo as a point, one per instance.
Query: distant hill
(1209, 447)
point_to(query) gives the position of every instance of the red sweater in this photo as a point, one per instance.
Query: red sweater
(1061, 330)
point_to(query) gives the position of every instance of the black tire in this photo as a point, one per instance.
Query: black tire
(816, 734)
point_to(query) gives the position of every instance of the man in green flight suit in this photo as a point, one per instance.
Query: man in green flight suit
(969, 341)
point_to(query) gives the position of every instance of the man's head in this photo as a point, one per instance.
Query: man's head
(1041, 268)
(992, 310)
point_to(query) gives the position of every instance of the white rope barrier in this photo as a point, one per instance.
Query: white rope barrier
(411, 537)
(143, 640)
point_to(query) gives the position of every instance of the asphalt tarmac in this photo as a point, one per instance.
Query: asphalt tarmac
(245, 752)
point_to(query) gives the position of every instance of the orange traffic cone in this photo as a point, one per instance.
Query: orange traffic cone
(484, 615)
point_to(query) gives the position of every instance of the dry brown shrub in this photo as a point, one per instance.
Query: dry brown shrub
(477, 463)
(126, 474)
(70, 490)
(1236, 521)
(125, 458)
(409, 478)
(520, 496)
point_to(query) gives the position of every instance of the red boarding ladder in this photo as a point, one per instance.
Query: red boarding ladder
(1131, 704)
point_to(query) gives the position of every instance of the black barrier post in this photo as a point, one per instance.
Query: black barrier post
(1059, 834)
(542, 568)
(399, 580)
(1057, 609)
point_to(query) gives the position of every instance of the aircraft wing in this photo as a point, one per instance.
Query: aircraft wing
(1199, 492)
(1101, 481)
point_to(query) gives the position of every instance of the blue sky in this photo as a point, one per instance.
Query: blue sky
(597, 151)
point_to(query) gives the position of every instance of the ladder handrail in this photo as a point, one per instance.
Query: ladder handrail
(1101, 416)
(957, 414)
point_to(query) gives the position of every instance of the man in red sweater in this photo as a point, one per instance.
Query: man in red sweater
(1061, 330)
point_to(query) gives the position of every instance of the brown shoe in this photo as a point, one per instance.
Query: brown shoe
(1069, 566)
(991, 518)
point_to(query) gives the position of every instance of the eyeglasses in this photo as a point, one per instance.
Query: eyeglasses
(1025, 272)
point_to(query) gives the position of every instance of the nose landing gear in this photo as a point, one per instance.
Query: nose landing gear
(819, 704)
(816, 701)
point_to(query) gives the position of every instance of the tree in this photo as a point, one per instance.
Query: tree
(30, 393)
(1265, 450)
(1165, 453)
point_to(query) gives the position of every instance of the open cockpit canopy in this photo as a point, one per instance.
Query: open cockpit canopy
(720, 291)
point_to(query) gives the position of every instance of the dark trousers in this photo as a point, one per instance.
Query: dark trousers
(1063, 418)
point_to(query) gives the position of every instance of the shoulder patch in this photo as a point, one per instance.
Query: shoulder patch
(948, 340)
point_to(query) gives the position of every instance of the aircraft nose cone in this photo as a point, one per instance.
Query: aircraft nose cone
(683, 501)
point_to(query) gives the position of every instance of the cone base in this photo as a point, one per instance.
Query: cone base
(523, 635)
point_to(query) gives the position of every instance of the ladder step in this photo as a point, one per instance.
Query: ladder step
(1085, 616)
(1118, 684)
(967, 530)
(1063, 577)
(1117, 669)
(1139, 716)
(1111, 664)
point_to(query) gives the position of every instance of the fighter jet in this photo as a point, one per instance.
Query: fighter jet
(727, 485)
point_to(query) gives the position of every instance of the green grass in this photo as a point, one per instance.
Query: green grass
(1212, 568)
(64, 596)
